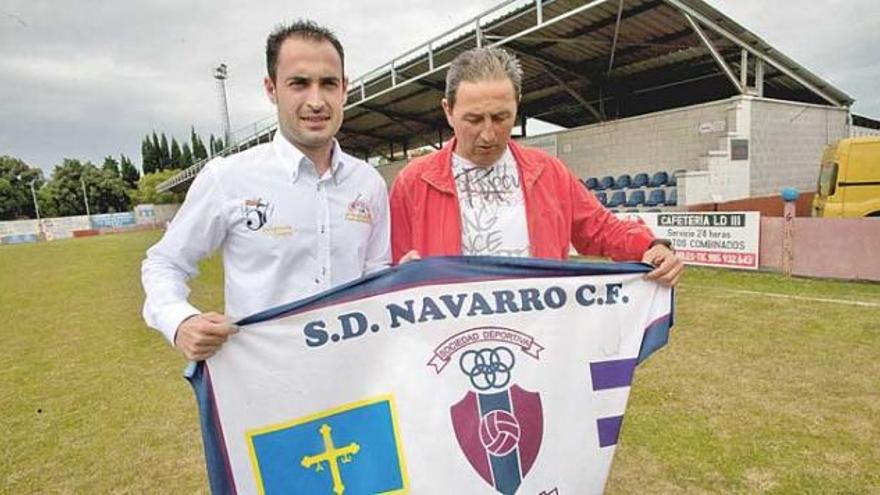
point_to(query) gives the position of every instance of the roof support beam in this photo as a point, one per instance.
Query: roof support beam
(767, 58)
(431, 85)
(364, 134)
(614, 42)
(717, 56)
(574, 94)
(588, 29)
(398, 117)
(389, 103)
(549, 60)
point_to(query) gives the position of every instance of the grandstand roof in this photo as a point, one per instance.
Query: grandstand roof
(583, 62)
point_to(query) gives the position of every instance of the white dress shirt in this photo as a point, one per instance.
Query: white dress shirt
(285, 233)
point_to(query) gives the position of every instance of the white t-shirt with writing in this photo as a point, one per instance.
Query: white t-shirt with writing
(493, 214)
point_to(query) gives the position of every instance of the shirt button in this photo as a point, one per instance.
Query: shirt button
(317, 281)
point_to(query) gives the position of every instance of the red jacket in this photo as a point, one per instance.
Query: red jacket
(560, 211)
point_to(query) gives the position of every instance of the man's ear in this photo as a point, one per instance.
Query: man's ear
(269, 85)
(344, 90)
(447, 109)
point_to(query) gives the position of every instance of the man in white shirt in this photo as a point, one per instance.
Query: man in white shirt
(293, 217)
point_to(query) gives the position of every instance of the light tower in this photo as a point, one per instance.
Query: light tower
(220, 74)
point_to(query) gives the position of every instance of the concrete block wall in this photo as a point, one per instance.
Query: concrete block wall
(841, 248)
(787, 139)
(669, 140)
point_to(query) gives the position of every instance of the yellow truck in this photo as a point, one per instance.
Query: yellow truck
(849, 179)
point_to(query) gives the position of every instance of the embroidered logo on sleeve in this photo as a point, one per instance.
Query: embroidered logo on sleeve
(359, 210)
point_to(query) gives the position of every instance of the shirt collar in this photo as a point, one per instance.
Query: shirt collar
(295, 160)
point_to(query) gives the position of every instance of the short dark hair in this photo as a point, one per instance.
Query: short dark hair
(305, 29)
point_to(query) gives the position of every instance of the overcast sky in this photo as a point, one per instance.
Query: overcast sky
(89, 78)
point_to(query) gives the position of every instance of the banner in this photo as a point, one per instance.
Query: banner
(723, 239)
(113, 220)
(447, 375)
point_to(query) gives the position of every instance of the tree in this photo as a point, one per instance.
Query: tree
(111, 166)
(176, 155)
(216, 145)
(63, 194)
(157, 151)
(129, 173)
(149, 155)
(198, 147)
(146, 191)
(16, 178)
(164, 154)
(186, 157)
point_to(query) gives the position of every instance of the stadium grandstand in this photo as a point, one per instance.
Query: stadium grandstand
(663, 104)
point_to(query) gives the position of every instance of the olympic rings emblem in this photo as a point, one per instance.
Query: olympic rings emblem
(488, 368)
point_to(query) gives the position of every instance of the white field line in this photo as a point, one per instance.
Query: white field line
(798, 298)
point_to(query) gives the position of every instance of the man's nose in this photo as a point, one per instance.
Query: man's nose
(314, 101)
(488, 132)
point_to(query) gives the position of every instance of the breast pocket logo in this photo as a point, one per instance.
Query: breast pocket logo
(256, 213)
(359, 210)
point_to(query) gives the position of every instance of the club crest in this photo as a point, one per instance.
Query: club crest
(499, 425)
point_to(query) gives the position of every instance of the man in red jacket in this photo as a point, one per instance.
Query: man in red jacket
(484, 194)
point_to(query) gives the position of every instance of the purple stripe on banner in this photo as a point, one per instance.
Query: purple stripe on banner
(612, 374)
(609, 430)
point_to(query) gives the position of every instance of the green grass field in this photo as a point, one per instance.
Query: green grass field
(754, 393)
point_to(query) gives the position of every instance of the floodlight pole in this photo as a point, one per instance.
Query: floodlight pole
(221, 72)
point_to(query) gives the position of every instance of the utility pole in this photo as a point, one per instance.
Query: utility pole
(85, 198)
(34, 196)
(37, 210)
(220, 74)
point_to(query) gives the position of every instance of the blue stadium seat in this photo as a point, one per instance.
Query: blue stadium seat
(607, 182)
(622, 182)
(617, 199)
(591, 183)
(636, 198)
(656, 198)
(672, 197)
(602, 197)
(640, 180)
(659, 179)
